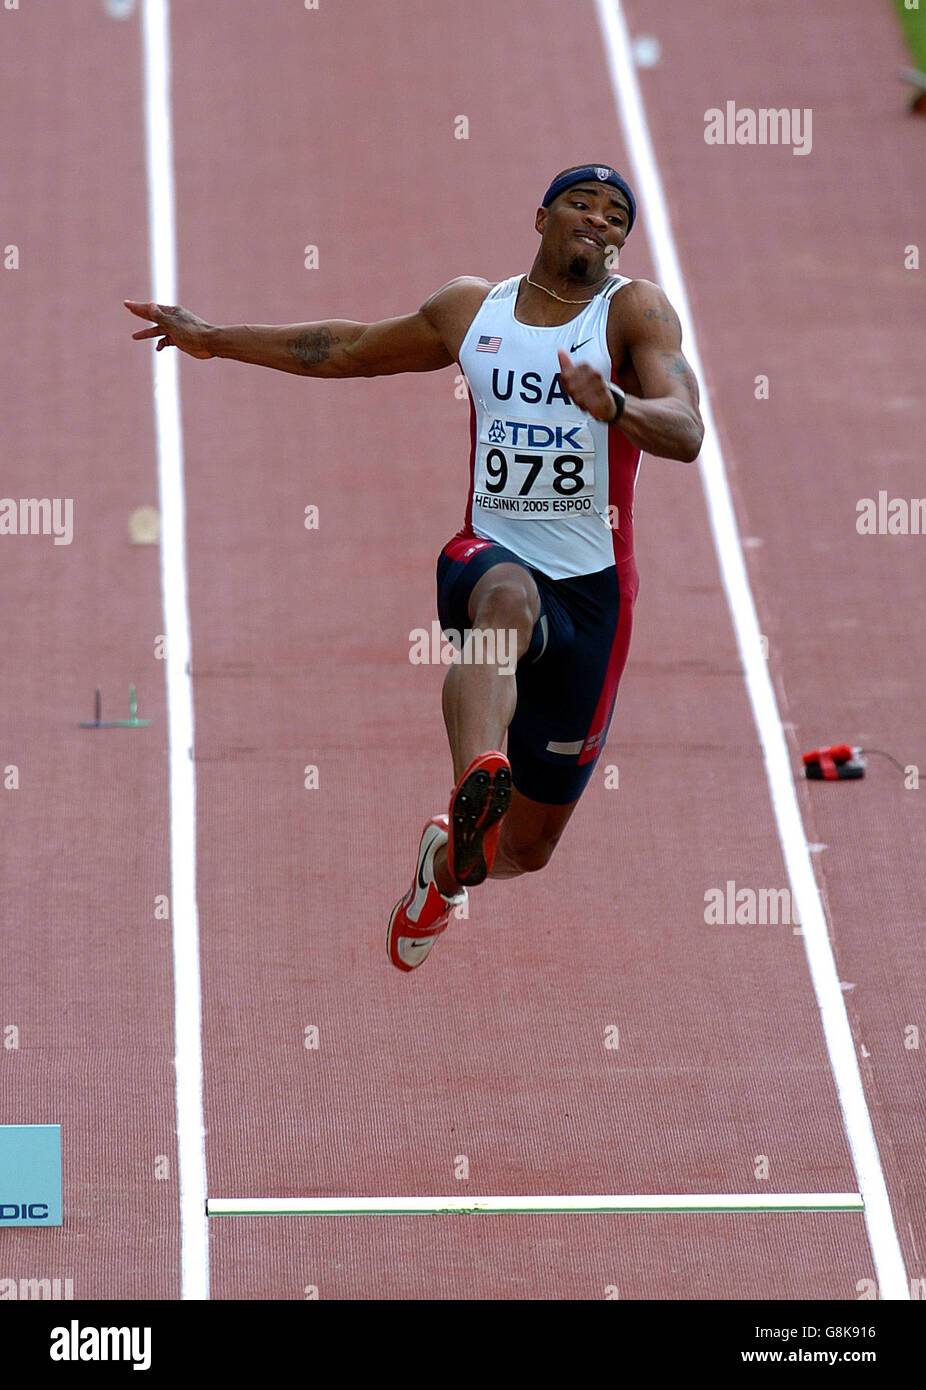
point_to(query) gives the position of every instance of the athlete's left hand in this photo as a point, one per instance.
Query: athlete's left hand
(586, 387)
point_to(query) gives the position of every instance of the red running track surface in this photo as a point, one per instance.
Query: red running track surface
(336, 130)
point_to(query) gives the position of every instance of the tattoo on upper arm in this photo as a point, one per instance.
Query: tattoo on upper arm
(313, 346)
(667, 315)
(677, 366)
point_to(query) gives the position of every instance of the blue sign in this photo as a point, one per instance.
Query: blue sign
(30, 1175)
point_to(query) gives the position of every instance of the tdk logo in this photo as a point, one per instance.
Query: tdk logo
(23, 1211)
(534, 436)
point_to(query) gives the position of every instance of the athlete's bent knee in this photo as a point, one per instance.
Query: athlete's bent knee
(504, 607)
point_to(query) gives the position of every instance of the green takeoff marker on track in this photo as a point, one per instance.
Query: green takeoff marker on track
(133, 721)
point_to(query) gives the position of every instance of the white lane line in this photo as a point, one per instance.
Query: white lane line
(882, 1233)
(188, 1061)
(527, 1205)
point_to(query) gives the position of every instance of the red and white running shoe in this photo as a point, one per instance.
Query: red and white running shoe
(419, 918)
(479, 800)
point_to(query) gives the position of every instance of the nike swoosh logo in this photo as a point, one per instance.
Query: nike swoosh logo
(575, 347)
(421, 882)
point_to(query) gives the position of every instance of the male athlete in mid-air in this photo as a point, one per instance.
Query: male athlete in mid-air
(573, 372)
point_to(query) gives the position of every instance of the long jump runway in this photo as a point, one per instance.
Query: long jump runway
(588, 1030)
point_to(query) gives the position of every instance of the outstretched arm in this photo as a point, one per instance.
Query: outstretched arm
(421, 342)
(665, 419)
(337, 348)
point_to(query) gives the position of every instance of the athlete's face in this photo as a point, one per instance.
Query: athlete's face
(584, 228)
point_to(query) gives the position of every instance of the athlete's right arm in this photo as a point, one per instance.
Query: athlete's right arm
(338, 348)
(421, 342)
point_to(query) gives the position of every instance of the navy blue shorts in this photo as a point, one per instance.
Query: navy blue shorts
(568, 678)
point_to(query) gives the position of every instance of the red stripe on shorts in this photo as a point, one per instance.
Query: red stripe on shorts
(623, 460)
(464, 546)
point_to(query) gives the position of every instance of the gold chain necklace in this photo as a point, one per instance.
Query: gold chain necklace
(559, 296)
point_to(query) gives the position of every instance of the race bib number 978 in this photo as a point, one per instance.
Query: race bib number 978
(527, 469)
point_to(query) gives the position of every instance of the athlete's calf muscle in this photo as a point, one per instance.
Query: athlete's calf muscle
(530, 832)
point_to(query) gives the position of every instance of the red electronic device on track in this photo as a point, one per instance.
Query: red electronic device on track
(836, 764)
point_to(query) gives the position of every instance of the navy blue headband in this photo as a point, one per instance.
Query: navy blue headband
(592, 173)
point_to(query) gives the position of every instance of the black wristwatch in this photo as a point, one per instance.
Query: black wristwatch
(620, 400)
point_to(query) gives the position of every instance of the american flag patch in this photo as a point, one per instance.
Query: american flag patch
(487, 344)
